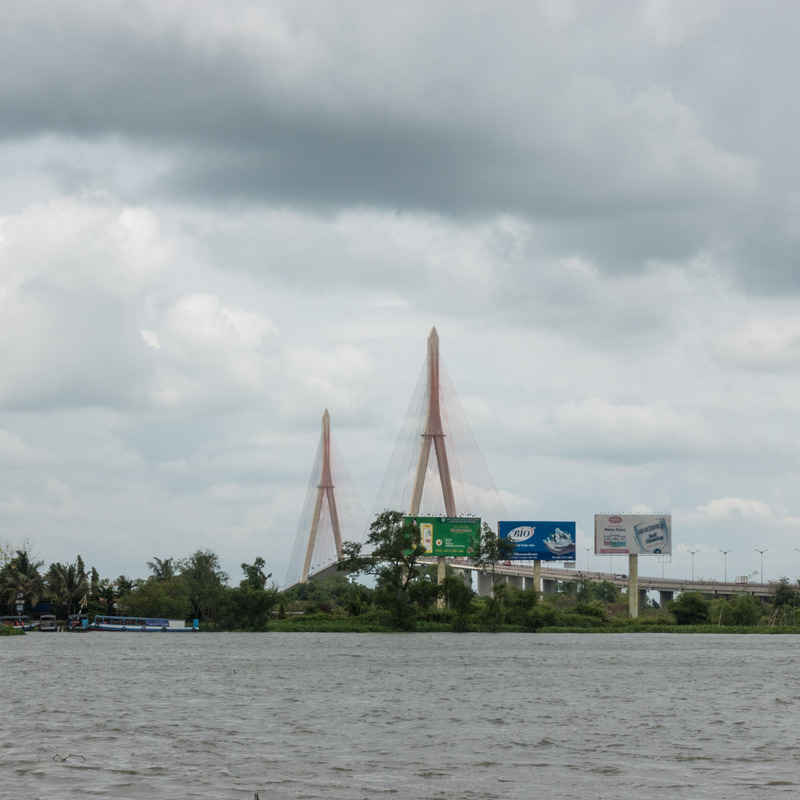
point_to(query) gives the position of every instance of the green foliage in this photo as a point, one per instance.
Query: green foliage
(489, 614)
(357, 599)
(587, 591)
(206, 581)
(249, 608)
(592, 608)
(20, 574)
(742, 610)
(519, 605)
(459, 599)
(785, 595)
(541, 616)
(572, 619)
(67, 585)
(491, 550)
(392, 556)
(158, 597)
(332, 589)
(254, 575)
(162, 570)
(690, 608)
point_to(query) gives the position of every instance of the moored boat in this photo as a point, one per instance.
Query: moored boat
(20, 621)
(141, 624)
(48, 623)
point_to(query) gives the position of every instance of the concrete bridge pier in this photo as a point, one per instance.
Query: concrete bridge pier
(665, 597)
(484, 584)
(548, 586)
(515, 580)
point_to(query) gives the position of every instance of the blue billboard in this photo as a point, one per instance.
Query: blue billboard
(540, 541)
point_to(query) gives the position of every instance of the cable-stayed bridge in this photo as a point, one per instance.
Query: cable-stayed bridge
(436, 469)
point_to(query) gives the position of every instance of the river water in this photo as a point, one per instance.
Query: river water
(215, 715)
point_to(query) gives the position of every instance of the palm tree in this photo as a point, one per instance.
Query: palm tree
(67, 584)
(162, 570)
(21, 576)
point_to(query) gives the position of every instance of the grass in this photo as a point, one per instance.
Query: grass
(326, 623)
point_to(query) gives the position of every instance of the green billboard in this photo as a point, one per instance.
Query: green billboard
(448, 536)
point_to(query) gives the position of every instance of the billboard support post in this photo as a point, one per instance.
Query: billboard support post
(633, 585)
(537, 576)
(440, 576)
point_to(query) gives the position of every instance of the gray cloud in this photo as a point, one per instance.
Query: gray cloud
(216, 221)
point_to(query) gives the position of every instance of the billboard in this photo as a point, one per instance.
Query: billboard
(632, 534)
(540, 541)
(448, 536)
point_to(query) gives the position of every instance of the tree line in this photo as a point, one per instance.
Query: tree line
(190, 588)
(381, 585)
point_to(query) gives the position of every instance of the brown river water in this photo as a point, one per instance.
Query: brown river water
(215, 715)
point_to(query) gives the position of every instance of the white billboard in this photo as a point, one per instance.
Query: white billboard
(632, 534)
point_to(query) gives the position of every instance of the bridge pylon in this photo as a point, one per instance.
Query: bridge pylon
(318, 544)
(433, 434)
(325, 491)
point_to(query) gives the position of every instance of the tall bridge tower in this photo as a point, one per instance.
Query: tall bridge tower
(437, 468)
(325, 491)
(433, 433)
(331, 506)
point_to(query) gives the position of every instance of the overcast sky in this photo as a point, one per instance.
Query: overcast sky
(218, 220)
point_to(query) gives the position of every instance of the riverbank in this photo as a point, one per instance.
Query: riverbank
(332, 624)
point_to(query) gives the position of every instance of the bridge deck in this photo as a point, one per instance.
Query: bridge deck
(646, 582)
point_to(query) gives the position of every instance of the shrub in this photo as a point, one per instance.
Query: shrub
(690, 608)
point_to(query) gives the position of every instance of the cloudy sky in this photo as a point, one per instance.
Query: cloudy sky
(218, 220)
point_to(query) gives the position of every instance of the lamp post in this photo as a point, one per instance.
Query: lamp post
(692, 553)
(725, 557)
(761, 552)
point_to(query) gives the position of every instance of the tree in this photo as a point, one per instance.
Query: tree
(20, 575)
(158, 598)
(785, 600)
(162, 570)
(459, 598)
(393, 552)
(690, 608)
(206, 581)
(491, 550)
(94, 582)
(250, 604)
(67, 583)
(254, 574)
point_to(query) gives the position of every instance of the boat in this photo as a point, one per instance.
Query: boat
(560, 542)
(19, 621)
(141, 625)
(48, 623)
(77, 623)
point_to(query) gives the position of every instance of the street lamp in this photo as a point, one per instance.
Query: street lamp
(693, 552)
(725, 557)
(762, 562)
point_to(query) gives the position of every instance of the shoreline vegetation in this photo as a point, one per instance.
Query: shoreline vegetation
(315, 624)
(401, 594)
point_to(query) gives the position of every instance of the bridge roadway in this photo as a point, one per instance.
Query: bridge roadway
(524, 575)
